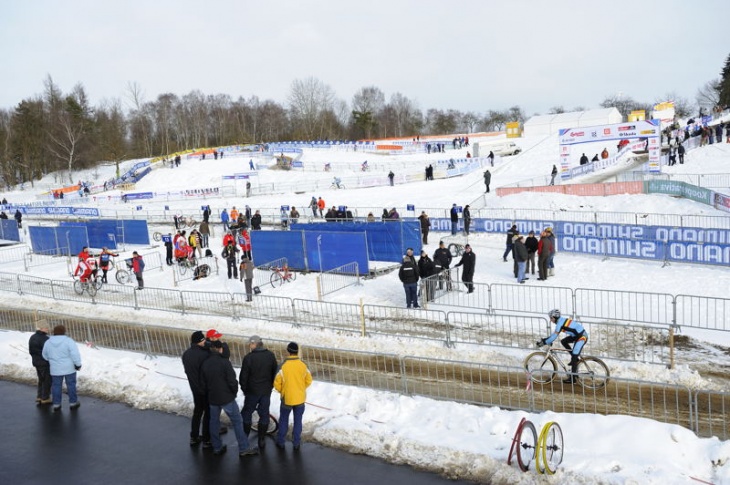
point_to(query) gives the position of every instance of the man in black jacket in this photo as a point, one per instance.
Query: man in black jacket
(193, 359)
(426, 269)
(42, 366)
(258, 371)
(469, 261)
(408, 275)
(441, 262)
(510, 234)
(221, 387)
(256, 221)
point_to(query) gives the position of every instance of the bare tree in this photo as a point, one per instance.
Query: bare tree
(308, 100)
(556, 110)
(69, 128)
(708, 96)
(683, 107)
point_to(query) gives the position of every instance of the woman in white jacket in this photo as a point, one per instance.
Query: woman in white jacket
(63, 355)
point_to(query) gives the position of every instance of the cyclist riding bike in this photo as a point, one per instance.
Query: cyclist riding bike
(337, 182)
(577, 336)
(84, 269)
(364, 166)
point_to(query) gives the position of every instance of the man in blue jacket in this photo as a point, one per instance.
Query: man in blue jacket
(63, 355)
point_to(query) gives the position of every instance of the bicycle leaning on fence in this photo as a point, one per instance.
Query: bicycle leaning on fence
(542, 368)
(282, 275)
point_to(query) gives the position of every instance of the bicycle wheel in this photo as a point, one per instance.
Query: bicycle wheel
(527, 445)
(456, 250)
(592, 373)
(97, 283)
(78, 287)
(551, 447)
(91, 289)
(191, 222)
(157, 236)
(291, 276)
(122, 276)
(273, 423)
(182, 267)
(276, 279)
(541, 367)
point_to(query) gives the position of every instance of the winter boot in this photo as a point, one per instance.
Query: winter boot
(262, 439)
(573, 369)
(246, 428)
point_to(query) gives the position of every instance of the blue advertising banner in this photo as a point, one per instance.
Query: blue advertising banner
(60, 211)
(139, 196)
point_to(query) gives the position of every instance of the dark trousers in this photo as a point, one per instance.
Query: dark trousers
(44, 382)
(507, 251)
(542, 267)
(201, 414)
(260, 404)
(140, 280)
(232, 268)
(411, 290)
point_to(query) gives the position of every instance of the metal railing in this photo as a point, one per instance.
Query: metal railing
(704, 412)
(337, 279)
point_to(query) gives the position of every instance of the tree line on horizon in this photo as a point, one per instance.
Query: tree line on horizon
(62, 132)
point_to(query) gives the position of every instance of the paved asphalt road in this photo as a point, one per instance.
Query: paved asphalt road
(110, 443)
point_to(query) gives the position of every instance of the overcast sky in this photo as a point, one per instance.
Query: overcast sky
(471, 55)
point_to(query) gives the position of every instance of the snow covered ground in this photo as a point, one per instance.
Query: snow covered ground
(461, 440)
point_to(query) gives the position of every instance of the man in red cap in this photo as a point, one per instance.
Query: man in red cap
(214, 335)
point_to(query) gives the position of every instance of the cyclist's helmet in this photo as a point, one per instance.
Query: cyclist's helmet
(554, 313)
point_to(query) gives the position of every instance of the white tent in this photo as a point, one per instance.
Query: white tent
(545, 125)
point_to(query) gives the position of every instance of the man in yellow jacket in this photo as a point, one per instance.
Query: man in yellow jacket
(292, 382)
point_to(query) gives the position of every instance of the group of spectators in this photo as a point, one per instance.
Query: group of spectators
(523, 251)
(214, 386)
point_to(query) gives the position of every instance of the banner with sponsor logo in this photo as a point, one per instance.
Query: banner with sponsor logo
(60, 211)
(680, 189)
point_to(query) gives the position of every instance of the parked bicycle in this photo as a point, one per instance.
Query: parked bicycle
(185, 264)
(186, 221)
(157, 236)
(281, 275)
(456, 250)
(122, 275)
(542, 367)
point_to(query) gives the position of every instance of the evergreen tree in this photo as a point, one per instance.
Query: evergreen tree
(725, 84)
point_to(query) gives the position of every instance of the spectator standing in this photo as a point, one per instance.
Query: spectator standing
(292, 382)
(426, 268)
(425, 226)
(553, 174)
(234, 214)
(294, 215)
(248, 188)
(468, 261)
(256, 221)
(246, 270)
(544, 248)
(193, 359)
(604, 154)
(168, 249)
(64, 360)
(441, 262)
(224, 219)
(321, 205)
(221, 387)
(408, 274)
(553, 247)
(18, 218)
(244, 240)
(454, 213)
(138, 269)
(490, 157)
(204, 231)
(229, 254)
(487, 179)
(680, 152)
(391, 178)
(256, 378)
(531, 245)
(467, 219)
(313, 205)
(206, 214)
(520, 252)
(42, 366)
(510, 234)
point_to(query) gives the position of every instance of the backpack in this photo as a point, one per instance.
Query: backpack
(208, 253)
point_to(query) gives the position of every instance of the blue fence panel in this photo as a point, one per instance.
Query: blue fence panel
(271, 245)
(65, 240)
(9, 230)
(102, 233)
(133, 232)
(386, 241)
(329, 250)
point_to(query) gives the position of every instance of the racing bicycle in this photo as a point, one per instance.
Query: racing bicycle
(89, 286)
(542, 368)
(456, 249)
(122, 275)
